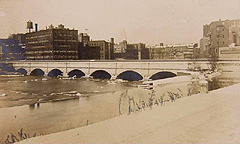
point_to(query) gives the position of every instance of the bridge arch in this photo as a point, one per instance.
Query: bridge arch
(22, 71)
(162, 75)
(130, 76)
(55, 73)
(101, 74)
(37, 72)
(76, 72)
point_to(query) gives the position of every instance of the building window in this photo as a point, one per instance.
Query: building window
(223, 36)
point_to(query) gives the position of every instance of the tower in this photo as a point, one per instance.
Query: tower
(29, 26)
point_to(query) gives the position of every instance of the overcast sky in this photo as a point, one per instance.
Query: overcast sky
(148, 21)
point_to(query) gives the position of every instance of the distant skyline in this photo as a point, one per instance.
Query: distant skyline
(147, 21)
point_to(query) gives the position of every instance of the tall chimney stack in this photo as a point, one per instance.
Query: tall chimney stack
(112, 40)
(36, 27)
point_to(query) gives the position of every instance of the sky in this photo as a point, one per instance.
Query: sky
(147, 21)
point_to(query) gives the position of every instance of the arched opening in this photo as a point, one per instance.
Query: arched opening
(55, 73)
(76, 73)
(37, 72)
(22, 71)
(162, 75)
(130, 76)
(101, 74)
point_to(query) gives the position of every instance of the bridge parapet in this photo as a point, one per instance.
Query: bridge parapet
(145, 68)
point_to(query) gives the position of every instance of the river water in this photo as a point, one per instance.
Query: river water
(91, 101)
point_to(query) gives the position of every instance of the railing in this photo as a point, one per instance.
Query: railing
(147, 60)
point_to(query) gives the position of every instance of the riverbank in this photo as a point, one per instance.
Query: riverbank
(99, 100)
(202, 118)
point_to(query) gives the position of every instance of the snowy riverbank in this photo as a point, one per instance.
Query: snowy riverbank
(202, 118)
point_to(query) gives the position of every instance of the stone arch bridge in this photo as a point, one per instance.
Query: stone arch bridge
(131, 69)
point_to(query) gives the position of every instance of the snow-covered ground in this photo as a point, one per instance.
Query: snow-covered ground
(178, 79)
(202, 118)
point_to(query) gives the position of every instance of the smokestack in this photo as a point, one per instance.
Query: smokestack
(112, 40)
(36, 27)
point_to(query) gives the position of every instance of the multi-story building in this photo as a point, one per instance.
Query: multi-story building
(20, 37)
(121, 47)
(10, 49)
(88, 52)
(144, 51)
(105, 48)
(204, 47)
(131, 51)
(53, 43)
(219, 34)
(138, 51)
(181, 51)
(83, 38)
(120, 50)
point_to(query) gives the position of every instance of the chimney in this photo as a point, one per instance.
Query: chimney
(36, 27)
(112, 40)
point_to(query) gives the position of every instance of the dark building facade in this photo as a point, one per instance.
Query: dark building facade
(83, 38)
(88, 52)
(145, 53)
(10, 49)
(131, 51)
(103, 48)
(20, 37)
(54, 43)
(100, 49)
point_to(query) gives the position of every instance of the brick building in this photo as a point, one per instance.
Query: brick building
(88, 52)
(181, 51)
(20, 37)
(53, 43)
(103, 48)
(131, 51)
(91, 47)
(219, 34)
(119, 50)
(11, 49)
(83, 38)
(137, 51)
